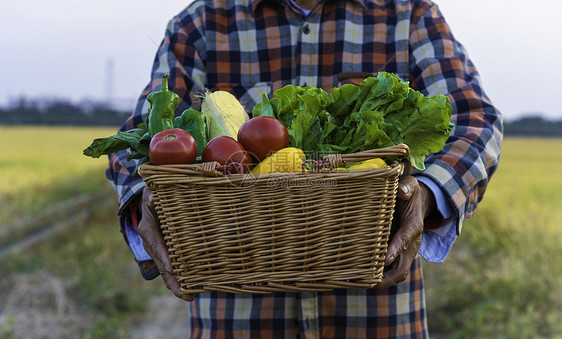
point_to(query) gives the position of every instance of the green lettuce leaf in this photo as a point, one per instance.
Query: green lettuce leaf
(301, 110)
(381, 111)
(264, 107)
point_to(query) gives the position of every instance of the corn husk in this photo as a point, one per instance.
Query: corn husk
(224, 114)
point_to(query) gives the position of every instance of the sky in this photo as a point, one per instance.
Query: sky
(64, 48)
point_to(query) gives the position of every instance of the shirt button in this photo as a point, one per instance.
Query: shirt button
(306, 29)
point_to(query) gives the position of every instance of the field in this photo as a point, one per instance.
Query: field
(503, 277)
(41, 166)
(501, 280)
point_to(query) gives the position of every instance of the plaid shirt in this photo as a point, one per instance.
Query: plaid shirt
(396, 312)
(249, 47)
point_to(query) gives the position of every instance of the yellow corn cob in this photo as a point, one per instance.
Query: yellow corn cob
(224, 114)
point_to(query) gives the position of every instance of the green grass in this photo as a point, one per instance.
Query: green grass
(503, 277)
(41, 166)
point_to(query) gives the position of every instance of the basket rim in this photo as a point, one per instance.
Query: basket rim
(184, 174)
(206, 172)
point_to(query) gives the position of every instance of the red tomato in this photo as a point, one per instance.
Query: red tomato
(172, 146)
(262, 136)
(225, 150)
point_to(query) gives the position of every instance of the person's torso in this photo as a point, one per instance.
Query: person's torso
(252, 49)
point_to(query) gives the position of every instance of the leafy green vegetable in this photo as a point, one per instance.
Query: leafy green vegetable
(136, 140)
(382, 111)
(122, 140)
(302, 110)
(264, 107)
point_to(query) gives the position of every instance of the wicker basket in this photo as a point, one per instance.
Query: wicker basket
(287, 232)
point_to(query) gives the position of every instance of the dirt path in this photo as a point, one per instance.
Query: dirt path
(37, 305)
(30, 230)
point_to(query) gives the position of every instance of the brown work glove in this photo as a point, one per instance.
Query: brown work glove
(415, 202)
(153, 242)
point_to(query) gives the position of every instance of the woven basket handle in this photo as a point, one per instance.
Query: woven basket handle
(338, 160)
(206, 169)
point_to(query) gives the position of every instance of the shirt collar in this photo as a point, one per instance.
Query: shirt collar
(255, 3)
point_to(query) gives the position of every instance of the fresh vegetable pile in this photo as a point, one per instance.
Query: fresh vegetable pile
(382, 111)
